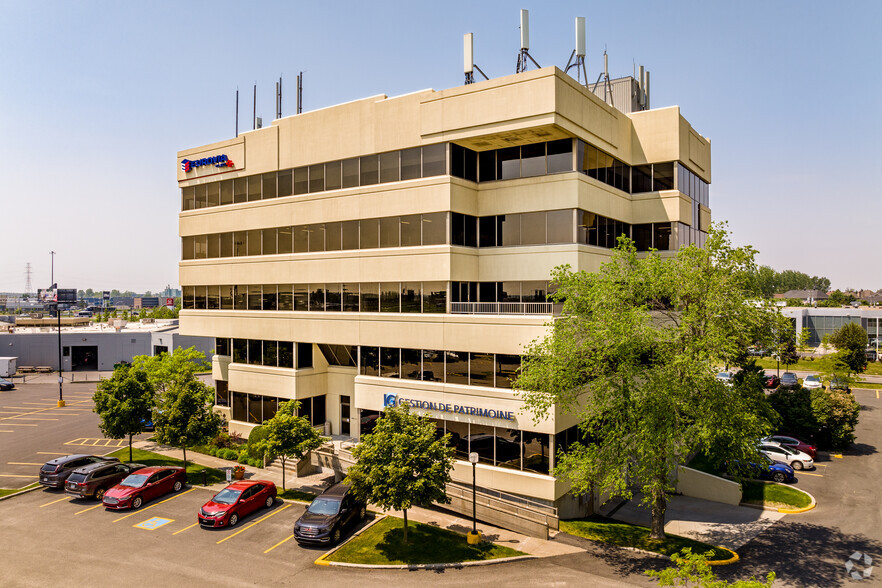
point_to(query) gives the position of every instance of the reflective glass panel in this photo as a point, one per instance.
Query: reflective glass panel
(370, 297)
(533, 228)
(350, 173)
(389, 236)
(411, 163)
(317, 178)
(435, 228)
(533, 160)
(286, 183)
(410, 230)
(349, 230)
(433, 365)
(285, 240)
(370, 169)
(411, 300)
(481, 369)
(410, 364)
(508, 163)
(269, 185)
(560, 156)
(390, 297)
(369, 230)
(389, 167)
(390, 362)
(333, 175)
(457, 364)
(301, 180)
(435, 160)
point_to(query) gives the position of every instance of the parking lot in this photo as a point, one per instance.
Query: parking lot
(163, 537)
(33, 429)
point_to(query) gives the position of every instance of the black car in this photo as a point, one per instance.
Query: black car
(54, 472)
(789, 380)
(93, 480)
(328, 516)
(6, 384)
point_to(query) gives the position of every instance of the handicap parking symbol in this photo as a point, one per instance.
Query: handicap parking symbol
(153, 523)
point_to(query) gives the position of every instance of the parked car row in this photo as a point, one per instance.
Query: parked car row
(128, 486)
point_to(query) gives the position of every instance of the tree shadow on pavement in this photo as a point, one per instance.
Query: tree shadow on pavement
(801, 554)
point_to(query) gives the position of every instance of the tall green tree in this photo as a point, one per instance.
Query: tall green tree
(633, 356)
(402, 463)
(184, 415)
(287, 435)
(124, 403)
(850, 341)
(164, 370)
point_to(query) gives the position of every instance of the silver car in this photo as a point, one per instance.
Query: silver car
(812, 382)
(792, 457)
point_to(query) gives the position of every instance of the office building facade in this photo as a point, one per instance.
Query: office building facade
(398, 250)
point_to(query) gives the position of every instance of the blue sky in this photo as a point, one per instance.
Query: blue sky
(96, 98)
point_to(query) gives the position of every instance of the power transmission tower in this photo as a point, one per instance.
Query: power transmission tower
(28, 272)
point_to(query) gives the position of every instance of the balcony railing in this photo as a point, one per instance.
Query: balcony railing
(501, 307)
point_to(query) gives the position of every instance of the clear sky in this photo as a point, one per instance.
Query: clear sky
(96, 98)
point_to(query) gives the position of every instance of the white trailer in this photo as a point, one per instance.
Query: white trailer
(7, 366)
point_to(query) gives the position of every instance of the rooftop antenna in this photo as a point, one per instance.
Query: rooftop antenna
(279, 98)
(237, 111)
(646, 91)
(299, 92)
(604, 75)
(524, 53)
(254, 113)
(579, 53)
(468, 65)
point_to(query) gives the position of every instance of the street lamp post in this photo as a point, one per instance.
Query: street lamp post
(60, 365)
(474, 537)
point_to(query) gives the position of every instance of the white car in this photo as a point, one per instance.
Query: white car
(725, 377)
(792, 457)
(812, 382)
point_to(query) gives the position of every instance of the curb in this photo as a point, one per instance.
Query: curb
(725, 562)
(322, 560)
(20, 492)
(803, 509)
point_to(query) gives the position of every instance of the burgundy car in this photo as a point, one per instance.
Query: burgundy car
(794, 443)
(144, 485)
(236, 501)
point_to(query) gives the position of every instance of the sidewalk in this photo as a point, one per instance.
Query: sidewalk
(715, 523)
(318, 482)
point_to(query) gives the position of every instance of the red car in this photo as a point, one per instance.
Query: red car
(146, 484)
(236, 501)
(794, 443)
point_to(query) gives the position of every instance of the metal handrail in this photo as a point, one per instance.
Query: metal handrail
(501, 307)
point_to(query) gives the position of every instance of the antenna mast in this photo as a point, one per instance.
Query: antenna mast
(579, 53)
(299, 92)
(607, 87)
(468, 65)
(524, 53)
(28, 272)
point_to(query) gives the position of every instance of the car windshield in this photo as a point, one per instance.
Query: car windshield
(134, 481)
(323, 506)
(811, 378)
(227, 496)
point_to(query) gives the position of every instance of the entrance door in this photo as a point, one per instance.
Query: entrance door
(84, 358)
(344, 415)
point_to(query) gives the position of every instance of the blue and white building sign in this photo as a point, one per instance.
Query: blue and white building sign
(215, 160)
(394, 400)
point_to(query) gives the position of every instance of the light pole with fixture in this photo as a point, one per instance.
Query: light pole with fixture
(474, 537)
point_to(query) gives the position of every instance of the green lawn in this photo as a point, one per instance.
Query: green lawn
(756, 492)
(296, 495)
(8, 491)
(611, 531)
(383, 544)
(874, 368)
(194, 471)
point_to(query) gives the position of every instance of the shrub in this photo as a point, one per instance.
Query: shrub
(221, 441)
(257, 435)
(258, 463)
(837, 414)
(230, 454)
(243, 456)
(794, 405)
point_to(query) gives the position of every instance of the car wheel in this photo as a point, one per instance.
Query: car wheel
(796, 465)
(362, 513)
(137, 501)
(234, 518)
(269, 501)
(779, 477)
(99, 493)
(177, 487)
(335, 536)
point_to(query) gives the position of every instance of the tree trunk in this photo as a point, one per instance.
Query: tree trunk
(185, 458)
(659, 505)
(130, 448)
(405, 525)
(283, 473)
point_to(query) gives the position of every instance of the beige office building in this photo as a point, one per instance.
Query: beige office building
(393, 250)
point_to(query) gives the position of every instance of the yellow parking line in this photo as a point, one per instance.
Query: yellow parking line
(285, 540)
(20, 424)
(90, 508)
(51, 453)
(7, 431)
(808, 474)
(260, 520)
(185, 528)
(68, 498)
(15, 476)
(152, 505)
(22, 463)
(29, 418)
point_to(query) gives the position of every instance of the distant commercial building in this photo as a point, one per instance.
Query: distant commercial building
(146, 302)
(399, 250)
(826, 321)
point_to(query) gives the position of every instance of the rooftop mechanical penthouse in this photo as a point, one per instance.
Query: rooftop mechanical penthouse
(398, 250)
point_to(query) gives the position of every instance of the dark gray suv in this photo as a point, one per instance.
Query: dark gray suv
(93, 480)
(54, 472)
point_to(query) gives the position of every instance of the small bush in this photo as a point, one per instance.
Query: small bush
(221, 441)
(257, 463)
(257, 434)
(243, 456)
(230, 454)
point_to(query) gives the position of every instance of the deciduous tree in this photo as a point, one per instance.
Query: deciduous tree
(633, 356)
(184, 414)
(401, 463)
(287, 435)
(850, 341)
(124, 403)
